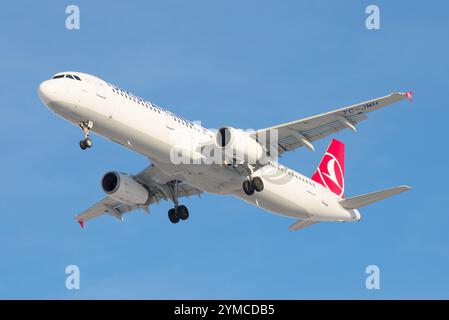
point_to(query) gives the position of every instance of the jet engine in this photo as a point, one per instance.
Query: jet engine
(239, 145)
(124, 188)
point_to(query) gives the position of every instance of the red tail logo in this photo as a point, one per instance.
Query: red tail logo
(331, 170)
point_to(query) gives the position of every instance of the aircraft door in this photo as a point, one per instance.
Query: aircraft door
(169, 120)
(102, 89)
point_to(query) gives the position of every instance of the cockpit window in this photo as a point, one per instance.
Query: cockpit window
(58, 76)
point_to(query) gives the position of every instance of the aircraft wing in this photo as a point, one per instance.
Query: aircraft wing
(303, 132)
(158, 184)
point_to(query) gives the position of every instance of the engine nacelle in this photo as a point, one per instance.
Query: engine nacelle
(124, 188)
(238, 145)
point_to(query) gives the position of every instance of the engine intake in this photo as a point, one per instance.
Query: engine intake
(124, 188)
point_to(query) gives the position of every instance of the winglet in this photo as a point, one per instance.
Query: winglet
(409, 95)
(81, 222)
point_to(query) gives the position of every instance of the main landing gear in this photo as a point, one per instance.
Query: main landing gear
(179, 212)
(251, 185)
(86, 127)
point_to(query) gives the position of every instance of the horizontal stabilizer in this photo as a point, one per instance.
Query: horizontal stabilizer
(301, 224)
(365, 199)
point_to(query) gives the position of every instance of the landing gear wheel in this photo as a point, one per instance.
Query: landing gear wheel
(248, 187)
(257, 184)
(86, 143)
(182, 212)
(172, 216)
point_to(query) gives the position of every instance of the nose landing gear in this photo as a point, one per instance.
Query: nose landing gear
(86, 142)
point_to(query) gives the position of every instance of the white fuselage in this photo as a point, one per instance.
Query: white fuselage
(154, 132)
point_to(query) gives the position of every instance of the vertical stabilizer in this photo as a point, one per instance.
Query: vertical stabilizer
(331, 170)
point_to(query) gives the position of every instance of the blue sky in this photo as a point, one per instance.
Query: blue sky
(248, 64)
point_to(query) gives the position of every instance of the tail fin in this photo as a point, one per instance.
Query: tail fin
(331, 170)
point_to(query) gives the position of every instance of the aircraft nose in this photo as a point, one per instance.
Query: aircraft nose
(47, 91)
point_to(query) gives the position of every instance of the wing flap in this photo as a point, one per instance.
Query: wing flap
(106, 205)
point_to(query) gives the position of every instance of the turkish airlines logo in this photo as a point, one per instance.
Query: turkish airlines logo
(331, 173)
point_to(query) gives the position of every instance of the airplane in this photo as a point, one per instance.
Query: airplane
(187, 159)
